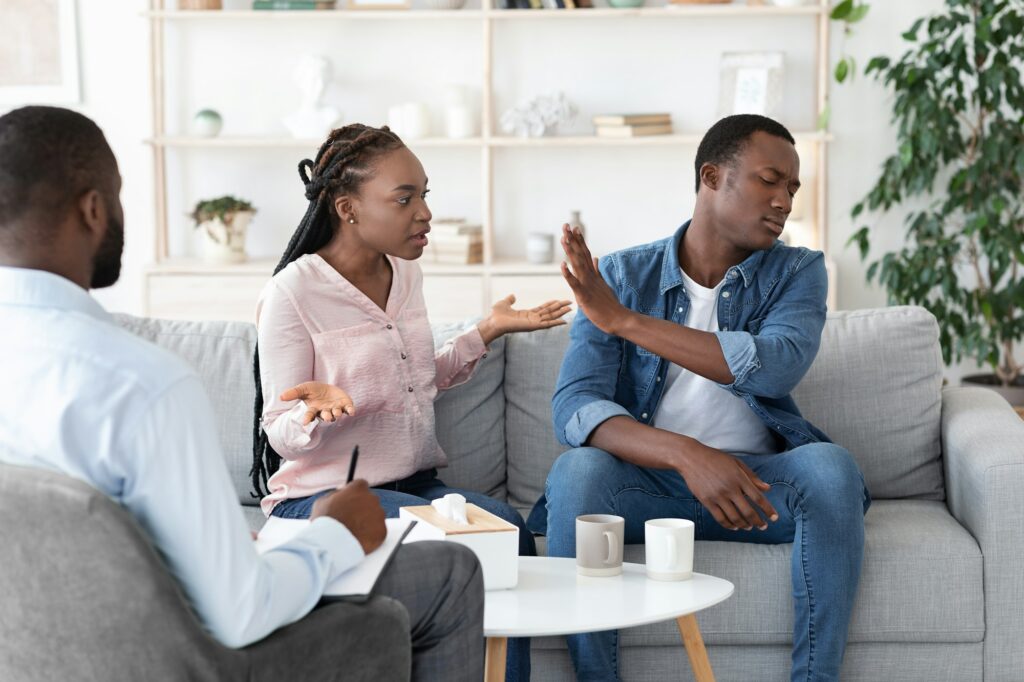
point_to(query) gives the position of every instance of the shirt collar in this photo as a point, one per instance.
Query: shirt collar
(41, 289)
(671, 271)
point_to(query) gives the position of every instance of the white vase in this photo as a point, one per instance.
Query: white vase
(224, 242)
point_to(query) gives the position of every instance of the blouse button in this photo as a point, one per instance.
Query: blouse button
(404, 356)
(410, 389)
(643, 416)
(389, 326)
(484, 355)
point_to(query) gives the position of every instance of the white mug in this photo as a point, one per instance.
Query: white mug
(599, 540)
(669, 548)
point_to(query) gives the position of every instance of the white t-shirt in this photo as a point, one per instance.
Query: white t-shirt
(701, 409)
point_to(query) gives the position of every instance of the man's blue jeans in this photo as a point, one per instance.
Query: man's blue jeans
(818, 492)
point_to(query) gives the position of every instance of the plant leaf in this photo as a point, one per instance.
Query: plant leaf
(842, 10)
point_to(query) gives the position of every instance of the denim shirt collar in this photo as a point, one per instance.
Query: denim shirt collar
(671, 272)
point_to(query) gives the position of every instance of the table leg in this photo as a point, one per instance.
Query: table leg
(494, 663)
(694, 644)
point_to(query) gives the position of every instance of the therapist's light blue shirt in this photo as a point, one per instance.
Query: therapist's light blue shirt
(82, 396)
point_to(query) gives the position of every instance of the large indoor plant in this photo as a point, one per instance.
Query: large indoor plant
(958, 107)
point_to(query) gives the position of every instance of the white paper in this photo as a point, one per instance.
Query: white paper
(358, 580)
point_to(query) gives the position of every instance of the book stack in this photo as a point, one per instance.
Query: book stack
(454, 242)
(632, 125)
(292, 4)
(547, 4)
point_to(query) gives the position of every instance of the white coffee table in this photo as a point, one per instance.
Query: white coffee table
(551, 599)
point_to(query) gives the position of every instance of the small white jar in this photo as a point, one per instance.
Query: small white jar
(540, 248)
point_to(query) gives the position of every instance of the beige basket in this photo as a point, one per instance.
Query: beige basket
(200, 4)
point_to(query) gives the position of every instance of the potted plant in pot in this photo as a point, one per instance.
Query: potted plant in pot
(223, 222)
(959, 110)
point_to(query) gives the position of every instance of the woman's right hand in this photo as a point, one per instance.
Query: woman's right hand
(323, 401)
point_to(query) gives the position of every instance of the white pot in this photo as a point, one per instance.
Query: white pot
(225, 242)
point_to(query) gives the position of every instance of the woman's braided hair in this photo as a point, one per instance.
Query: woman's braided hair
(343, 163)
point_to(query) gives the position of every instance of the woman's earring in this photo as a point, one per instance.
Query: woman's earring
(352, 221)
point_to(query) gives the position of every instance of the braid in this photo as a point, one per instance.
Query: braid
(342, 164)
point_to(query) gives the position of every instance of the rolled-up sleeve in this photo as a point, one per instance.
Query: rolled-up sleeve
(286, 360)
(585, 393)
(770, 360)
(457, 360)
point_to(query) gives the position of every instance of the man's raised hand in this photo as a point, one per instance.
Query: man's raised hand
(593, 295)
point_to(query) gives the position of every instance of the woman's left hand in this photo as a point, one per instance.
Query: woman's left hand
(504, 318)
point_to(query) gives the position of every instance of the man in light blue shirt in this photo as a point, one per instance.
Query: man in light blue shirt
(84, 397)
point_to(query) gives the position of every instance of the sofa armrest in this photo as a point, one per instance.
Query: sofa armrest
(983, 456)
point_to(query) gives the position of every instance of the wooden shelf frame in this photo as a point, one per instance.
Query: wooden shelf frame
(485, 20)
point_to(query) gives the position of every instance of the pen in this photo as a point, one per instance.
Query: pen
(352, 465)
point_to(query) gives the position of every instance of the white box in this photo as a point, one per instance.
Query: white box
(494, 540)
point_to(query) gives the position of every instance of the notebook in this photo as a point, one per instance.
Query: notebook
(355, 584)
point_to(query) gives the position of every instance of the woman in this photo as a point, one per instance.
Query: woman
(343, 331)
(345, 353)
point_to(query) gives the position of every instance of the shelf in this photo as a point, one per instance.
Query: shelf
(346, 15)
(265, 266)
(256, 142)
(260, 142)
(646, 141)
(687, 11)
(659, 12)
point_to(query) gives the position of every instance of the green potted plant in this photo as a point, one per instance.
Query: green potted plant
(958, 174)
(223, 222)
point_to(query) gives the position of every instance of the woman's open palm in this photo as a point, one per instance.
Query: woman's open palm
(508, 319)
(323, 401)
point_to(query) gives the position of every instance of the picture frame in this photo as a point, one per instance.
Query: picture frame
(750, 83)
(378, 4)
(45, 69)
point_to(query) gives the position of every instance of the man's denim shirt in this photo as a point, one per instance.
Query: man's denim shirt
(771, 311)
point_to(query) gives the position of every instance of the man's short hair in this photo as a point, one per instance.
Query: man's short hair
(725, 140)
(49, 157)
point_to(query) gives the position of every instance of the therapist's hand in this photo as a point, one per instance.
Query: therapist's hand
(356, 508)
(323, 401)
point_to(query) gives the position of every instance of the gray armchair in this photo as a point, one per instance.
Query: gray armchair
(86, 597)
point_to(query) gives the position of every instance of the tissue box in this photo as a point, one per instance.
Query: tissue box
(494, 540)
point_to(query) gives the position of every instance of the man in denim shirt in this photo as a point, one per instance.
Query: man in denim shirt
(675, 393)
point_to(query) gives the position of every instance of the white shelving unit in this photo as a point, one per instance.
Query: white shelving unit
(177, 287)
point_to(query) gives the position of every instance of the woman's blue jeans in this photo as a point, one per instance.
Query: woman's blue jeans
(818, 492)
(419, 489)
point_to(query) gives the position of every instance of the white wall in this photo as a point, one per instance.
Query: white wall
(244, 72)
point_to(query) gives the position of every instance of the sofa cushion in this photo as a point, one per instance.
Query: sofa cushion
(876, 389)
(470, 423)
(470, 418)
(221, 354)
(921, 581)
(532, 362)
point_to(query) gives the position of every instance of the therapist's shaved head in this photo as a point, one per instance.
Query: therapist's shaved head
(60, 208)
(49, 157)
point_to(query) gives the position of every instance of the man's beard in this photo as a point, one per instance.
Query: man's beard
(107, 262)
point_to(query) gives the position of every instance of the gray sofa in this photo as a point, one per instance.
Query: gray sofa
(942, 589)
